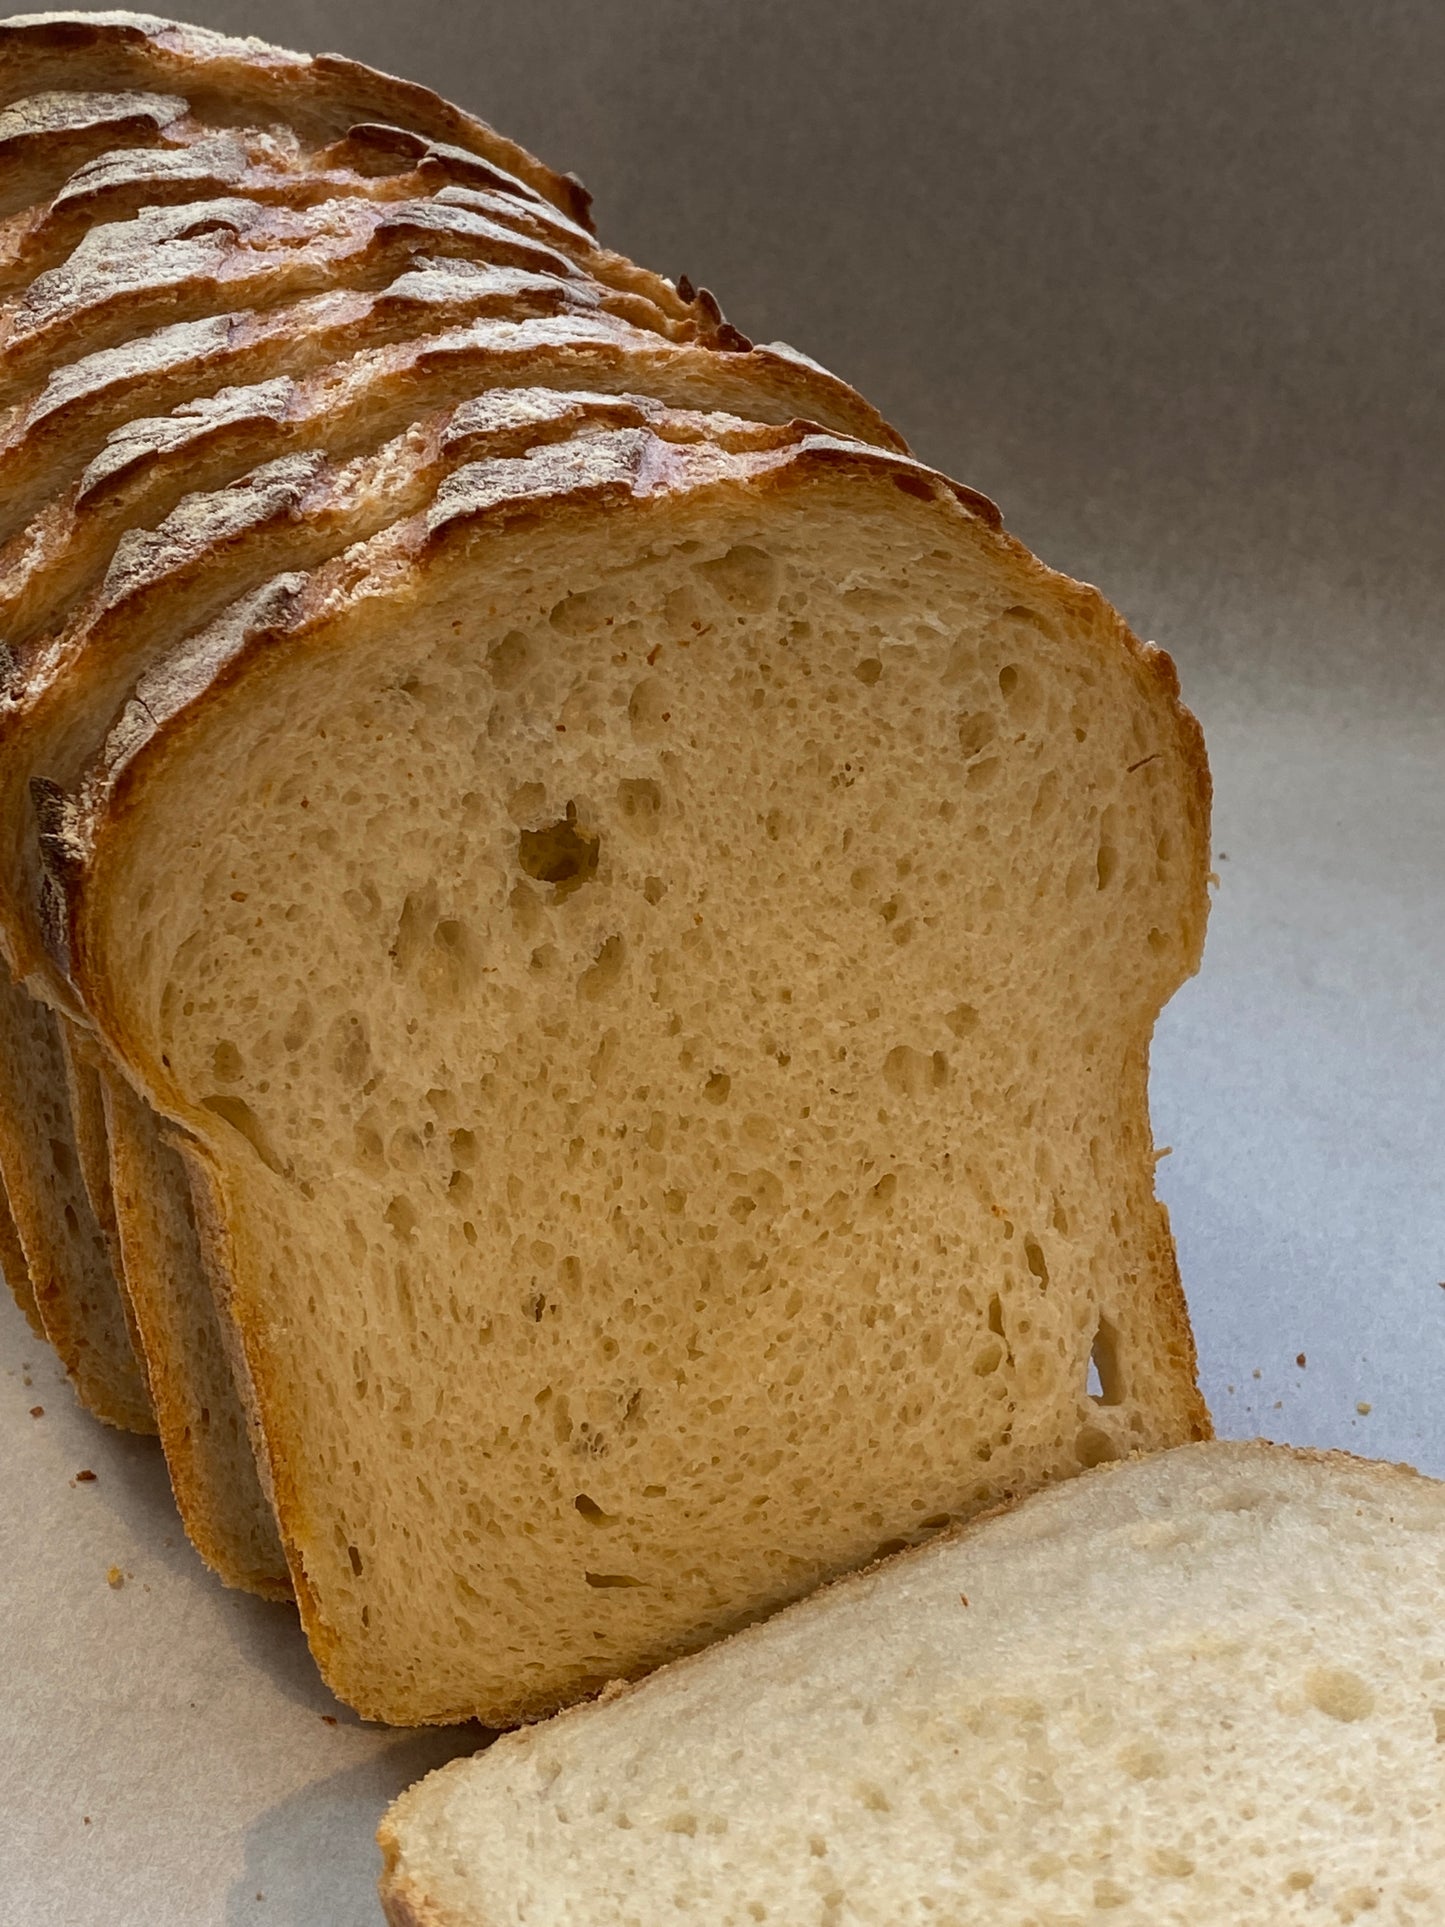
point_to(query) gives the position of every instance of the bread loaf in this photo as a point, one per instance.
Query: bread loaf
(1198, 1690)
(643, 931)
(827, 1166)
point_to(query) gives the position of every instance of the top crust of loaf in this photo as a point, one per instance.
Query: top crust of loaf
(226, 78)
(374, 162)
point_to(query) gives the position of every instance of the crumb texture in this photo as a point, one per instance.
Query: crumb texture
(1198, 1690)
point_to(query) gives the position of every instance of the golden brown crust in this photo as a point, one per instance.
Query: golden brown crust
(119, 183)
(45, 445)
(50, 135)
(207, 256)
(225, 78)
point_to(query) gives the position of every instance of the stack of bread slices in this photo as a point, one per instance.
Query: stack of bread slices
(582, 930)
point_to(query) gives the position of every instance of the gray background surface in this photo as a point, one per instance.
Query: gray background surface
(1165, 280)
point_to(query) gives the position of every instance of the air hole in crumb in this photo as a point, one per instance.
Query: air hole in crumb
(354, 1555)
(716, 1089)
(648, 710)
(1340, 1693)
(639, 799)
(227, 1062)
(869, 670)
(1105, 1370)
(1038, 1264)
(604, 1580)
(401, 1216)
(559, 853)
(603, 972)
(911, 1074)
(510, 659)
(1094, 1447)
(745, 576)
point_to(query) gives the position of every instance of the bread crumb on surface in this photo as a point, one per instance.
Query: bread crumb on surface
(37, 1411)
(1364, 1408)
(87, 1477)
(115, 1578)
(1300, 1360)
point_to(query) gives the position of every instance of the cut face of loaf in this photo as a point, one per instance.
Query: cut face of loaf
(1198, 1690)
(658, 954)
(228, 81)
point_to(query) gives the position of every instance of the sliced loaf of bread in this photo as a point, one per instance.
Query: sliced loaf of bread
(1203, 1689)
(655, 954)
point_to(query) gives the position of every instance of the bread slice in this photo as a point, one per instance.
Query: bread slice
(198, 1413)
(68, 1272)
(658, 953)
(1200, 1689)
(16, 1269)
(230, 81)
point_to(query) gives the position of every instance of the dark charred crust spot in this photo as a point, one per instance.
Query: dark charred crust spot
(911, 484)
(732, 340)
(686, 291)
(580, 203)
(709, 304)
